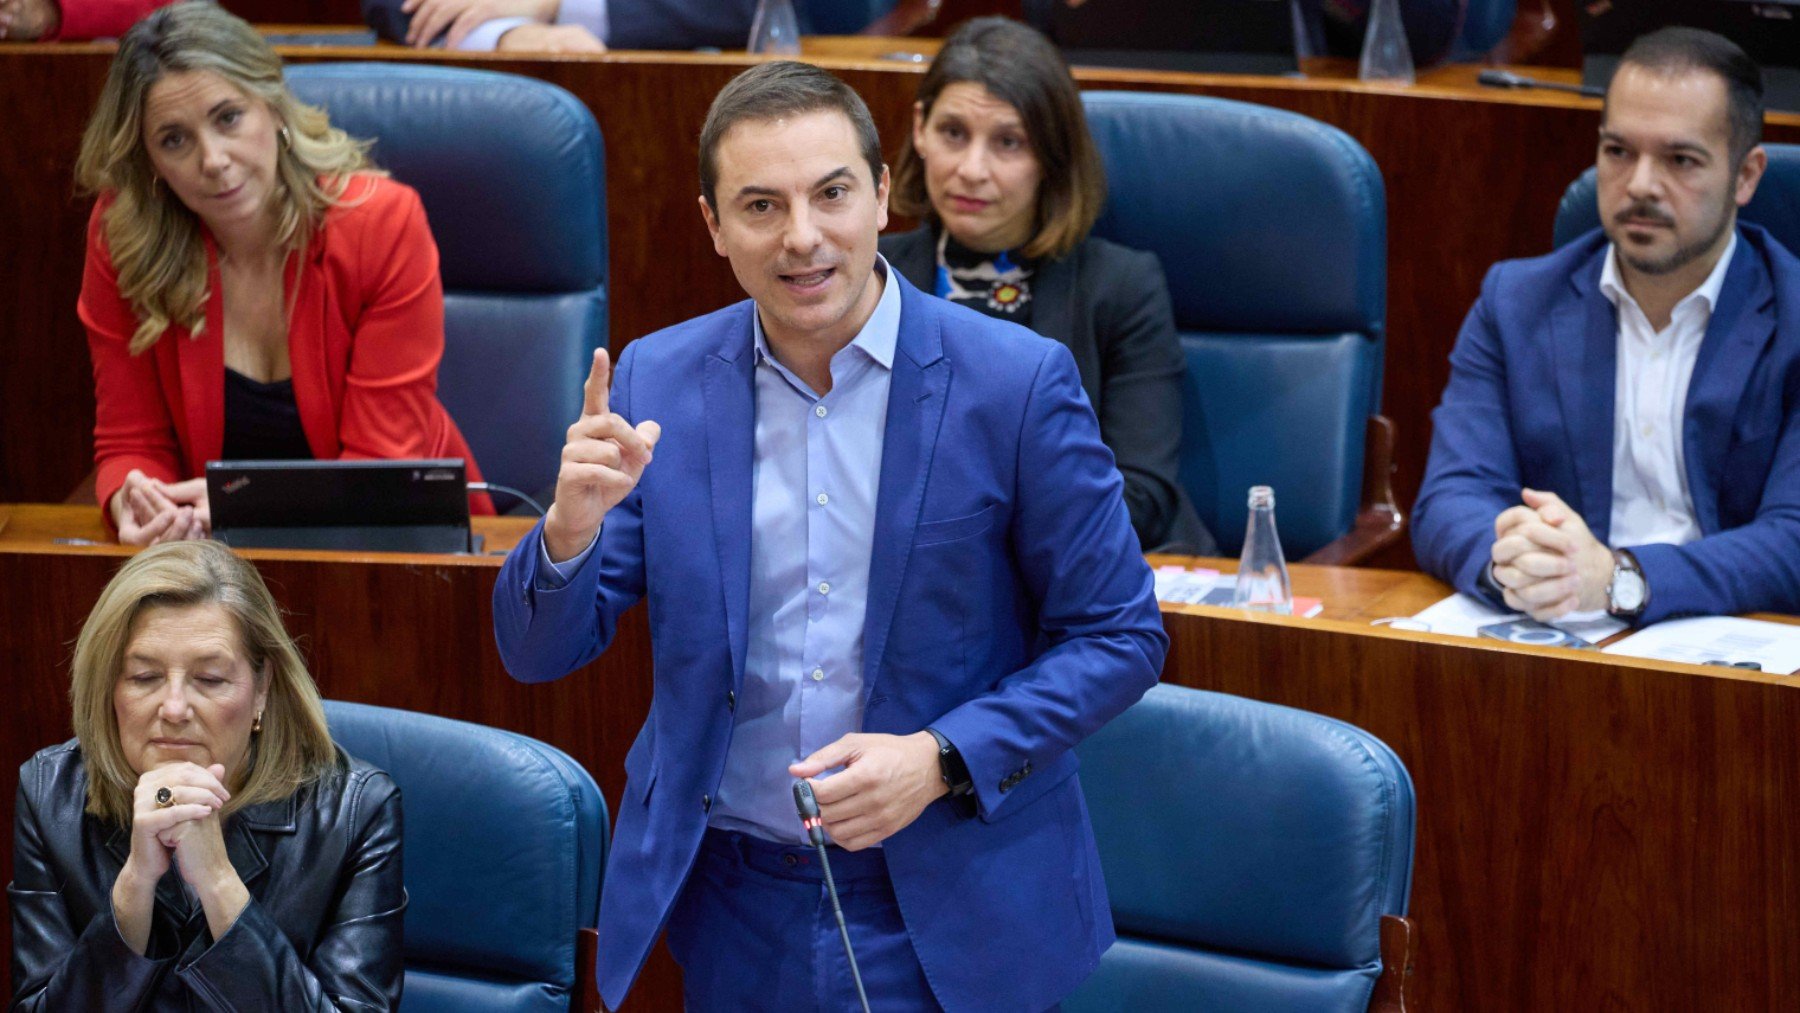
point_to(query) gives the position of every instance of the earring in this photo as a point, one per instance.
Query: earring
(256, 726)
(286, 139)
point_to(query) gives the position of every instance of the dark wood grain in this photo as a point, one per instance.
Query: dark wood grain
(1472, 177)
(1594, 832)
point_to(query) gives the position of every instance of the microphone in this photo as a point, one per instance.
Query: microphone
(808, 808)
(1507, 79)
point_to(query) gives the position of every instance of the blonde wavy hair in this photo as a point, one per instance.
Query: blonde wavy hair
(294, 747)
(153, 237)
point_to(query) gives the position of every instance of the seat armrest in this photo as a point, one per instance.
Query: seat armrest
(1399, 949)
(1379, 521)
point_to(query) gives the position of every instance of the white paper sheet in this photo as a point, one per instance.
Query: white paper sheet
(1183, 586)
(1714, 639)
(1461, 616)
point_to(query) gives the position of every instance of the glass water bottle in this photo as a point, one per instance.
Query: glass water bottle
(1262, 577)
(1385, 53)
(775, 31)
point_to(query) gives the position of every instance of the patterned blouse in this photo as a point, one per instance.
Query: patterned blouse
(992, 283)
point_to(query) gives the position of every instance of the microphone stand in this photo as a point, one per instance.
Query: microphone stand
(808, 808)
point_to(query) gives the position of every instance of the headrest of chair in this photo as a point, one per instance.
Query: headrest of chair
(510, 168)
(1231, 824)
(1265, 220)
(1775, 207)
(505, 839)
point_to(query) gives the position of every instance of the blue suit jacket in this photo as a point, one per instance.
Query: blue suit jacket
(1530, 403)
(1008, 606)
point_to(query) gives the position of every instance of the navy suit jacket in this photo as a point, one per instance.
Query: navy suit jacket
(1530, 403)
(1008, 607)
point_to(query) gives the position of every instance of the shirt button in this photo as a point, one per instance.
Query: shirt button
(1648, 430)
(731, 699)
(821, 411)
(824, 587)
(823, 499)
(818, 675)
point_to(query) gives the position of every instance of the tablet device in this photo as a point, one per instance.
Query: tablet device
(382, 506)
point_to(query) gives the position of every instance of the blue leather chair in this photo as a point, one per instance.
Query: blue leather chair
(1775, 207)
(505, 841)
(1256, 857)
(512, 175)
(1272, 230)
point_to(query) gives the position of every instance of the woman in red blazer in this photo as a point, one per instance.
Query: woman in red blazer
(253, 287)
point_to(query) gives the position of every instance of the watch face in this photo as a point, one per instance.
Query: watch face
(1627, 591)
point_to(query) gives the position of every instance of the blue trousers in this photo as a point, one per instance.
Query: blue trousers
(753, 930)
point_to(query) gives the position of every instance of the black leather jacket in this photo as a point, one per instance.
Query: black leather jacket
(322, 930)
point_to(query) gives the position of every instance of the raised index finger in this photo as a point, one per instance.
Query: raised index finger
(595, 396)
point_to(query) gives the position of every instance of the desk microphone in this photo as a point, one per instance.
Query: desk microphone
(1507, 79)
(808, 807)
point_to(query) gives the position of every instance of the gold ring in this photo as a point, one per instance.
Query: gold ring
(164, 798)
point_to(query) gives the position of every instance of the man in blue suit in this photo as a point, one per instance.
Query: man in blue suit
(884, 549)
(1621, 430)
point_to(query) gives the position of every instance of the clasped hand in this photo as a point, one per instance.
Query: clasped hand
(1547, 561)
(187, 832)
(455, 19)
(147, 510)
(602, 460)
(887, 781)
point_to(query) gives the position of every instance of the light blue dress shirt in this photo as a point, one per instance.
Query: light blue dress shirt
(814, 481)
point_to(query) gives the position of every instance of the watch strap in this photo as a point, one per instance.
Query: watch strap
(1624, 562)
(951, 767)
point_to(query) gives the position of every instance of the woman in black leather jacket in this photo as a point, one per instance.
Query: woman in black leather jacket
(201, 843)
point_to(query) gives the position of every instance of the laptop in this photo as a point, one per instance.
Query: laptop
(1768, 30)
(380, 506)
(1202, 36)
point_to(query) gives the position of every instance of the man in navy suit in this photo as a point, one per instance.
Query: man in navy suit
(1621, 430)
(884, 549)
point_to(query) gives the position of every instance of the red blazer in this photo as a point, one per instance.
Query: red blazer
(365, 338)
(100, 19)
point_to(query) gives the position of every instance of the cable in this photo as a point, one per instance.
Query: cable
(808, 807)
(509, 490)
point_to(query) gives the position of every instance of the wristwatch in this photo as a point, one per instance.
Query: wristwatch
(1627, 593)
(951, 766)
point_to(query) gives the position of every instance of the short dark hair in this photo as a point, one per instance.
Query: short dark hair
(1023, 69)
(782, 88)
(1676, 50)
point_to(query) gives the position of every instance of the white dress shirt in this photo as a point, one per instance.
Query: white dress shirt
(1650, 499)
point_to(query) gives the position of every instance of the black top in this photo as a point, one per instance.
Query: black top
(1110, 307)
(262, 422)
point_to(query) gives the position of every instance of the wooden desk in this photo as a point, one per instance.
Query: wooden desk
(1595, 832)
(1473, 176)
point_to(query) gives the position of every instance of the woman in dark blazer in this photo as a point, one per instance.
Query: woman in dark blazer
(201, 843)
(1000, 167)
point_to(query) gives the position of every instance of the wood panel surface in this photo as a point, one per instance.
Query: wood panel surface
(1472, 176)
(1595, 832)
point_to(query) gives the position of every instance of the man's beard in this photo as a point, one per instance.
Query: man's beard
(1682, 255)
